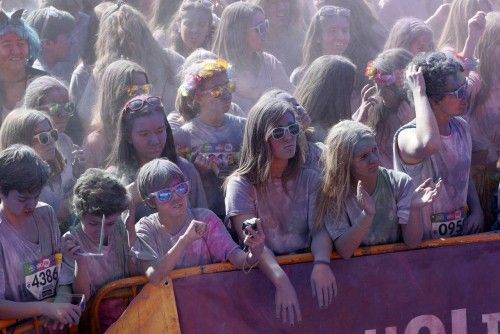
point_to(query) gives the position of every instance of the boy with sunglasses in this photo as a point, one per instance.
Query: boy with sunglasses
(437, 145)
(96, 250)
(177, 236)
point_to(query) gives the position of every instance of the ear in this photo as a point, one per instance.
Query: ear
(17, 15)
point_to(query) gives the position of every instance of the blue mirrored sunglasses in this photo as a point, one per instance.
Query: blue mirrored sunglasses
(166, 195)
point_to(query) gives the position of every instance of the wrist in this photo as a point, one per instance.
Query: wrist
(321, 262)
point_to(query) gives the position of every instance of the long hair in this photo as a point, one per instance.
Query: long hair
(326, 88)
(123, 154)
(231, 35)
(455, 29)
(38, 89)
(174, 30)
(337, 180)
(19, 128)
(312, 48)
(112, 95)
(256, 154)
(388, 62)
(367, 36)
(163, 12)
(405, 31)
(485, 52)
(123, 34)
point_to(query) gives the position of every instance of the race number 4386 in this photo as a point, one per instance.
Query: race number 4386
(41, 277)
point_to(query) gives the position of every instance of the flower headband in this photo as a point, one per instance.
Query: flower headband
(193, 81)
(372, 73)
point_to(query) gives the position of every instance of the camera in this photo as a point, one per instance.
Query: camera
(251, 223)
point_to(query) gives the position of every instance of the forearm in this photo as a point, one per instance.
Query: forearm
(20, 310)
(413, 230)
(82, 283)
(238, 258)
(473, 199)
(427, 130)
(321, 246)
(270, 268)
(347, 243)
(469, 48)
(167, 263)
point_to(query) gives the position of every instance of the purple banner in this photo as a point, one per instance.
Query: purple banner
(441, 290)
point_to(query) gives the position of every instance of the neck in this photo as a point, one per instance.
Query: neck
(369, 183)
(214, 119)
(12, 76)
(443, 122)
(278, 167)
(173, 224)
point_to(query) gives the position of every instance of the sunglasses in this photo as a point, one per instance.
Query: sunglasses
(218, 91)
(138, 104)
(460, 93)
(279, 132)
(45, 137)
(134, 90)
(60, 109)
(334, 11)
(166, 195)
(262, 28)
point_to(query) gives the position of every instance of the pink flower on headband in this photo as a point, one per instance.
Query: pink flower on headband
(384, 79)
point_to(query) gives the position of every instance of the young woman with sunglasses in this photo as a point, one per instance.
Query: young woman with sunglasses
(272, 185)
(362, 203)
(144, 134)
(241, 38)
(30, 242)
(122, 80)
(34, 128)
(210, 138)
(51, 96)
(437, 145)
(178, 236)
(98, 201)
(328, 34)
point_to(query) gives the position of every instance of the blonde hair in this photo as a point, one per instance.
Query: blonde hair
(485, 52)
(231, 37)
(337, 180)
(455, 29)
(19, 128)
(123, 34)
(112, 95)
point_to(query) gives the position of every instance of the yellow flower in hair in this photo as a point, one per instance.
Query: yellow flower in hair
(371, 71)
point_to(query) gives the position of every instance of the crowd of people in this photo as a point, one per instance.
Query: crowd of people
(142, 136)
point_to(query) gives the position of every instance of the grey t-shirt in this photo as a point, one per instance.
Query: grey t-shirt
(392, 197)
(287, 216)
(452, 165)
(222, 144)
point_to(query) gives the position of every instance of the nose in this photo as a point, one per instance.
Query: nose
(154, 140)
(373, 158)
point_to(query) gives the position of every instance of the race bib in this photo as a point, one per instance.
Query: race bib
(41, 276)
(224, 155)
(450, 224)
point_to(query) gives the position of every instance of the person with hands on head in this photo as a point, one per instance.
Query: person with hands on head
(92, 260)
(362, 203)
(437, 144)
(178, 236)
(29, 236)
(271, 171)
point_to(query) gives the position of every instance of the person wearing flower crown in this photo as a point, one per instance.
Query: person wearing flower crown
(19, 47)
(384, 106)
(211, 137)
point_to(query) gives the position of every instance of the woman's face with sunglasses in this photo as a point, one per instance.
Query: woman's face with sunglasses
(283, 138)
(56, 104)
(257, 32)
(44, 140)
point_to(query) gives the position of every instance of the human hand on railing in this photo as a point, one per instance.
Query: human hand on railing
(475, 222)
(254, 240)
(287, 303)
(323, 284)
(425, 193)
(61, 314)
